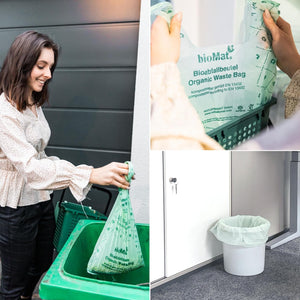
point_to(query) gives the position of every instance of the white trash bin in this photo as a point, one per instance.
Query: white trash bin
(244, 261)
(244, 241)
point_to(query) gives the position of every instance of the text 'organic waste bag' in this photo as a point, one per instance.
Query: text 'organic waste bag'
(226, 81)
(118, 248)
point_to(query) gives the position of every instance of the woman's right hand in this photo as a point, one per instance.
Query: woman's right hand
(111, 174)
(165, 42)
(288, 58)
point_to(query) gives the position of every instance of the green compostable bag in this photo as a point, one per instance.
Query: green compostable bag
(246, 231)
(118, 248)
(226, 81)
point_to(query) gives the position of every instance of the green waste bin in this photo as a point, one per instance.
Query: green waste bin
(68, 278)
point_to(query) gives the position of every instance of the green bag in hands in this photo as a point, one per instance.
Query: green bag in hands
(224, 82)
(118, 248)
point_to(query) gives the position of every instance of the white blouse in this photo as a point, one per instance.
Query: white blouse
(175, 124)
(27, 175)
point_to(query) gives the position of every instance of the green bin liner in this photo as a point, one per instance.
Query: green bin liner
(68, 278)
(118, 248)
(246, 231)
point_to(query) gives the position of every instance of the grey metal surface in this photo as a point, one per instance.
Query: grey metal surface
(90, 129)
(93, 88)
(294, 229)
(20, 13)
(259, 180)
(95, 199)
(88, 156)
(97, 45)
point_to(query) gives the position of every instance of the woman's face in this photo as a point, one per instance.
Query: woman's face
(41, 71)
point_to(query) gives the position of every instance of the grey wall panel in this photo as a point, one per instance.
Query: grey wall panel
(96, 199)
(90, 129)
(100, 88)
(109, 45)
(20, 13)
(89, 157)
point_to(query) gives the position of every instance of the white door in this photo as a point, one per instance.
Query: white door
(157, 246)
(201, 197)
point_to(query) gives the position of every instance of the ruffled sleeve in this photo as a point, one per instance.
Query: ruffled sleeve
(292, 95)
(40, 173)
(175, 123)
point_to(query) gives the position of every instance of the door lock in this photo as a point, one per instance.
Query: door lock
(173, 182)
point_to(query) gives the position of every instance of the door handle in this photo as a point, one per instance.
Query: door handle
(173, 182)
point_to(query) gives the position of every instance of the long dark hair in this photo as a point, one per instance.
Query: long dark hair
(18, 64)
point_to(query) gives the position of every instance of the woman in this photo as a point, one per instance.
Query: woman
(27, 175)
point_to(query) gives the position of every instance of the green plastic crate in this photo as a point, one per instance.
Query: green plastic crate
(67, 277)
(235, 132)
(68, 216)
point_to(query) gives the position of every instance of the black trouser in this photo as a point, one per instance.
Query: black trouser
(26, 247)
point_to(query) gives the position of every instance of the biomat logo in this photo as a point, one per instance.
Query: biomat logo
(240, 108)
(215, 56)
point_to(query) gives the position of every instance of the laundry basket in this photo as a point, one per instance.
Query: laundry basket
(68, 215)
(237, 131)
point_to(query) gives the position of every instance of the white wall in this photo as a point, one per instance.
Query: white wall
(139, 193)
(212, 22)
(290, 10)
(207, 22)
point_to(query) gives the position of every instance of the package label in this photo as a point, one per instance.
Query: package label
(226, 81)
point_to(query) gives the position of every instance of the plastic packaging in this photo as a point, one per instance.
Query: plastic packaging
(226, 81)
(118, 248)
